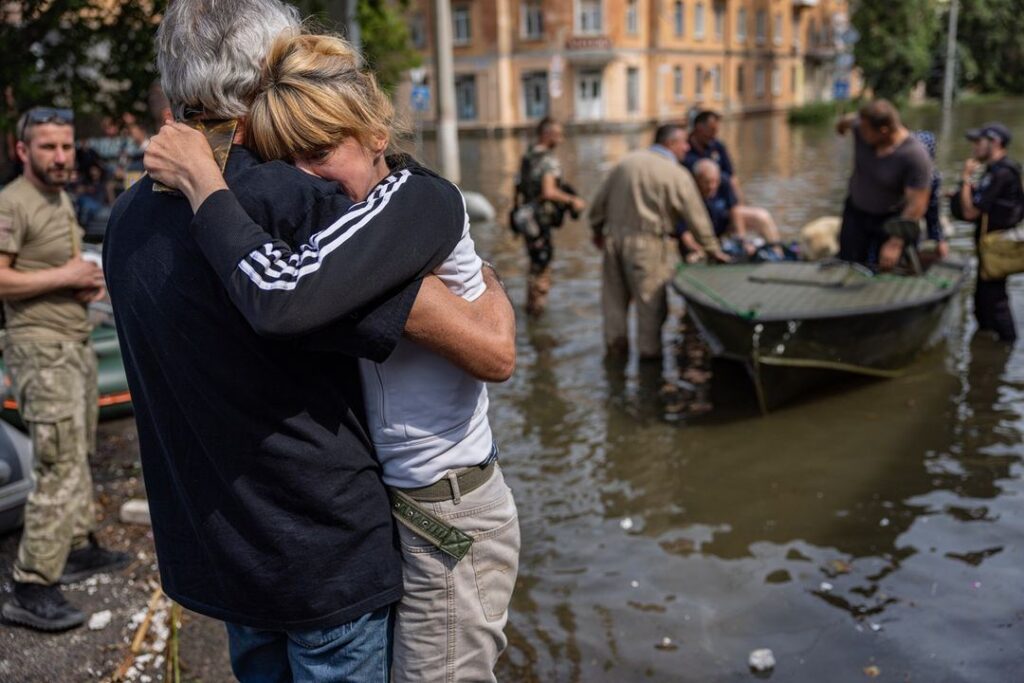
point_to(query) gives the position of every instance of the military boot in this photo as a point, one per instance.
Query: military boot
(42, 608)
(92, 559)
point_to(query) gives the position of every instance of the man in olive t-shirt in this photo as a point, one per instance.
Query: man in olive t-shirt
(892, 173)
(46, 287)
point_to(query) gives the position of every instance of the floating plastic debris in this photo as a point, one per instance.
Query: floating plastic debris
(762, 660)
(826, 587)
(626, 523)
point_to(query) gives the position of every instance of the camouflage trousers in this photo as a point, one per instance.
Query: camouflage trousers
(55, 386)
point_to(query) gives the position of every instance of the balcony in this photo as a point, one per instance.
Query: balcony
(589, 50)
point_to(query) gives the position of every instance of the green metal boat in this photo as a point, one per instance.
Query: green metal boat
(796, 326)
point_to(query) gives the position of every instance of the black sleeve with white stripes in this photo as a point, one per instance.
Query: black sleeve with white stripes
(410, 222)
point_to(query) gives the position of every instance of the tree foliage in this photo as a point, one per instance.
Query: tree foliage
(386, 44)
(90, 55)
(990, 44)
(896, 43)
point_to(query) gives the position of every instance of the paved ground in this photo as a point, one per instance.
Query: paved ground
(98, 655)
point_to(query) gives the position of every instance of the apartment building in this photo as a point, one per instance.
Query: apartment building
(616, 63)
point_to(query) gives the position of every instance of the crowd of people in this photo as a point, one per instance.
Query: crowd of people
(645, 210)
(311, 401)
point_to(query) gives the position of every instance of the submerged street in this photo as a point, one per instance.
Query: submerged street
(873, 530)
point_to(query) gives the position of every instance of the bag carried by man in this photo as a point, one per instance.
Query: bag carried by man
(1000, 253)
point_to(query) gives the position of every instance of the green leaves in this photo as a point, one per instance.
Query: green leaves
(896, 45)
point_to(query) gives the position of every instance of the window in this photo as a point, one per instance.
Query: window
(719, 20)
(777, 30)
(741, 25)
(632, 90)
(588, 17)
(759, 81)
(465, 97)
(716, 81)
(461, 25)
(631, 18)
(679, 19)
(760, 26)
(776, 81)
(796, 32)
(417, 31)
(535, 94)
(699, 86)
(677, 83)
(792, 79)
(698, 21)
(812, 33)
(739, 80)
(531, 20)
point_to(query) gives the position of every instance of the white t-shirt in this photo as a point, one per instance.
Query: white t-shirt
(427, 416)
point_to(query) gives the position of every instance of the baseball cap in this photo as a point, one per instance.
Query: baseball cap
(992, 131)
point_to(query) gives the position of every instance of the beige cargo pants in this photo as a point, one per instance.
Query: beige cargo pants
(636, 269)
(55, 386)
(451, 620)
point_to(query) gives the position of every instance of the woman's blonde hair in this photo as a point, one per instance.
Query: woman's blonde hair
(314, 95)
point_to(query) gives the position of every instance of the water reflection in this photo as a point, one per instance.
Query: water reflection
(876, 525)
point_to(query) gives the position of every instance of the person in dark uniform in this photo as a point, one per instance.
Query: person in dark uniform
(995, 202)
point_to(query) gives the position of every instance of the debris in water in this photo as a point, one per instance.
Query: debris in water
(100, 620)
(634, 584)
(666, 644)
(884, 522)
(840, 567)
(761, 660)
(872, 671)
(826, 587)
(626, 524)
(876, 627)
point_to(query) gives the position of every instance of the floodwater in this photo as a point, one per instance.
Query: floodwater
(877, 525)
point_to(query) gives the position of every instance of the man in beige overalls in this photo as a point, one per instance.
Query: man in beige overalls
(46, 287)
(634, 217)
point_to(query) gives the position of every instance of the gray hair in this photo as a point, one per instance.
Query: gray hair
(210, 52)
(707, 168)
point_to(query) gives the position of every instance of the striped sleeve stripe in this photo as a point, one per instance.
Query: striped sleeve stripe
(265, 267)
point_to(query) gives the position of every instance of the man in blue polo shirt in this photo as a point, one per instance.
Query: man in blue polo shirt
(266, 499)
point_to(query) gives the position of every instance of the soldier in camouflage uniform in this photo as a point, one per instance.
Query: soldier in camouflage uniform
(543, 189)
(46, 287)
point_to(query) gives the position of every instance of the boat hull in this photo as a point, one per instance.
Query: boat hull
(787, 358)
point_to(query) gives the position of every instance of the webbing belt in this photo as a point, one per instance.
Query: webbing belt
(445, 537)
(406, 507)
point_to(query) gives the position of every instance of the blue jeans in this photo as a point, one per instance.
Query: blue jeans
(356, 652)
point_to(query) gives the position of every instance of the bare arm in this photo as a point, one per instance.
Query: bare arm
(75, 274)
(967, 207)
(549, 191)
(917, 203)
(477, 336)
(844, 124)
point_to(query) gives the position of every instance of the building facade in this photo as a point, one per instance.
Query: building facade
(630, 62)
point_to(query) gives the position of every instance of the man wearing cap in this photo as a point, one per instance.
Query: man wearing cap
(891, 178)
(46, 288)
(995, 202)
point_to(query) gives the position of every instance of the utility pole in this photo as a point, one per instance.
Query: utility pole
(343, 14)
(444, 85)
(950, 80)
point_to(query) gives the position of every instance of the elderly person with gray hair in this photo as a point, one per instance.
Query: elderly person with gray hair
(267, 503)
(728, 217)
